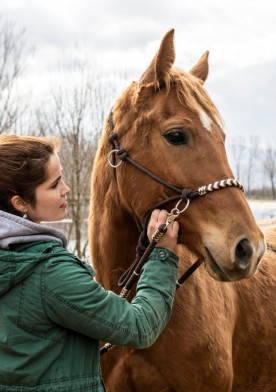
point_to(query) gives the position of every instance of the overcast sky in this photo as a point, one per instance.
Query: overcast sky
(125, 34)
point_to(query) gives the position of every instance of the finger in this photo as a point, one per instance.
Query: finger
(174, 228)
(154, 215)
(152, 225)
(162, 217)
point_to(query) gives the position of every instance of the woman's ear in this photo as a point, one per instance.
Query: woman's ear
(19, 204)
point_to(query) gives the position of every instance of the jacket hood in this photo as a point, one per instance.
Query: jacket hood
(16, 230)
(18, 233)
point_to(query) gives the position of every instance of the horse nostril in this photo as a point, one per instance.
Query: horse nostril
(243, 253)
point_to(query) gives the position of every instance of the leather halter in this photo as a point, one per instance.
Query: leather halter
(183, 195)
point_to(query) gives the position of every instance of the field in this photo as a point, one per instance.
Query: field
(263, 209)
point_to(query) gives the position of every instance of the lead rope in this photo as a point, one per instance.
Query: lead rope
(135, 272)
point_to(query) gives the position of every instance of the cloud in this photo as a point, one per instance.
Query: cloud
(247, 101)
(121, 34)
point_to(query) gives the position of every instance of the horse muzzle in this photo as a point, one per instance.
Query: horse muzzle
(242, 261)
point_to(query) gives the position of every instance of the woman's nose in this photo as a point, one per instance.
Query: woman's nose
(65, 189)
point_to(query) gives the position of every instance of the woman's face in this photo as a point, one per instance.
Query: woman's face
(50, 196)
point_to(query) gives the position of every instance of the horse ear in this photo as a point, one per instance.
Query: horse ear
(201, 69)
(159, 68)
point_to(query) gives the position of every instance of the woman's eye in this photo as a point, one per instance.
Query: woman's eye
(54, 185)
(177, 136)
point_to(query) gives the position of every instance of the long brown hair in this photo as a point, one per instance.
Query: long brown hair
(23, 161)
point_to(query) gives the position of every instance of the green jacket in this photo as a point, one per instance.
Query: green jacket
(53, 314)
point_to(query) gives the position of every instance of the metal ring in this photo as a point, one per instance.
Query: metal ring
(110, 163)
(185, 208)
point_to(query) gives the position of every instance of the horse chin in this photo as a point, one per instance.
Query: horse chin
(221, 273)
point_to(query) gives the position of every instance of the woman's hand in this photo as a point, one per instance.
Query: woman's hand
(169, 239)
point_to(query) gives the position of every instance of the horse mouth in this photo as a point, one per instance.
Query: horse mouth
(219, 273)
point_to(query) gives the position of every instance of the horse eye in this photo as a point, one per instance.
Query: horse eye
(177, 136)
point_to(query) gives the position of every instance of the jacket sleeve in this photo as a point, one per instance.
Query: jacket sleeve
(74, 300)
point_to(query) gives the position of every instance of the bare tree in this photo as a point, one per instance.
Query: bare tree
(253, 153)
(81, 100)
(12, 48)
(78, 147)
(80, 104)
(270, 167)
(238, 149)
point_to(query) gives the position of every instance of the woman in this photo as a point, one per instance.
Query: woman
(52, 312)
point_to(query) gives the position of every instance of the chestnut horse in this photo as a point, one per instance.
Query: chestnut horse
(221, 336)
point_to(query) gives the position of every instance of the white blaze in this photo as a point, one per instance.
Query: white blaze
(206, 121)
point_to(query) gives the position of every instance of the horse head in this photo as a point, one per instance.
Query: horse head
(168, 124)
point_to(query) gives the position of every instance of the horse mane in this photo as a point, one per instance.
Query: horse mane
(189, 92)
